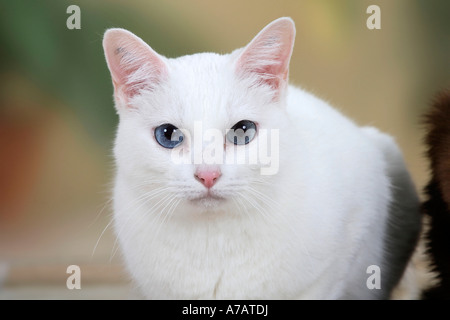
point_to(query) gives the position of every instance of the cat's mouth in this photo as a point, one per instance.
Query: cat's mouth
(207, 199)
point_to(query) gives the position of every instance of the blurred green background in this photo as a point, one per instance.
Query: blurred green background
(57, 118)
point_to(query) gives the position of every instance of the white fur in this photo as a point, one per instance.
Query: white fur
(310, 231)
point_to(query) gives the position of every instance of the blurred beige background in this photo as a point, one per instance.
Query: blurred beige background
(57, 118)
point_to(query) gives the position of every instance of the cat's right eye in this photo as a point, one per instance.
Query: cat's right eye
(242, 132)
(168, 136)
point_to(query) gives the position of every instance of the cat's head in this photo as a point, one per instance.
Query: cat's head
(203, 128)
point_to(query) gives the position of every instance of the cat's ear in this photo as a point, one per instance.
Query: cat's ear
(134, 66)
(269, 53)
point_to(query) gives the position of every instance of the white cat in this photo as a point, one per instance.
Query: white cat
(336, 200)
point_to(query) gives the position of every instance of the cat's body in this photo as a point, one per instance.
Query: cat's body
(339, 202)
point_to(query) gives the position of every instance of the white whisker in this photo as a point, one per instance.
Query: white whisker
(101, 235)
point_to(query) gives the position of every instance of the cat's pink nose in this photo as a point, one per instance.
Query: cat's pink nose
(208, 177)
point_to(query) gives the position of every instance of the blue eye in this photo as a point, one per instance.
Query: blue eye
(242, 132)
(168, 136)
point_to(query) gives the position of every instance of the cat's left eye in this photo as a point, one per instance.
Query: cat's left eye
(168, 136)
(242, 132)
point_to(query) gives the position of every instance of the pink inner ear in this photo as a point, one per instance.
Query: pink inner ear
(133, 64)
(269, 53)
(121, 73)
(138, 70)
